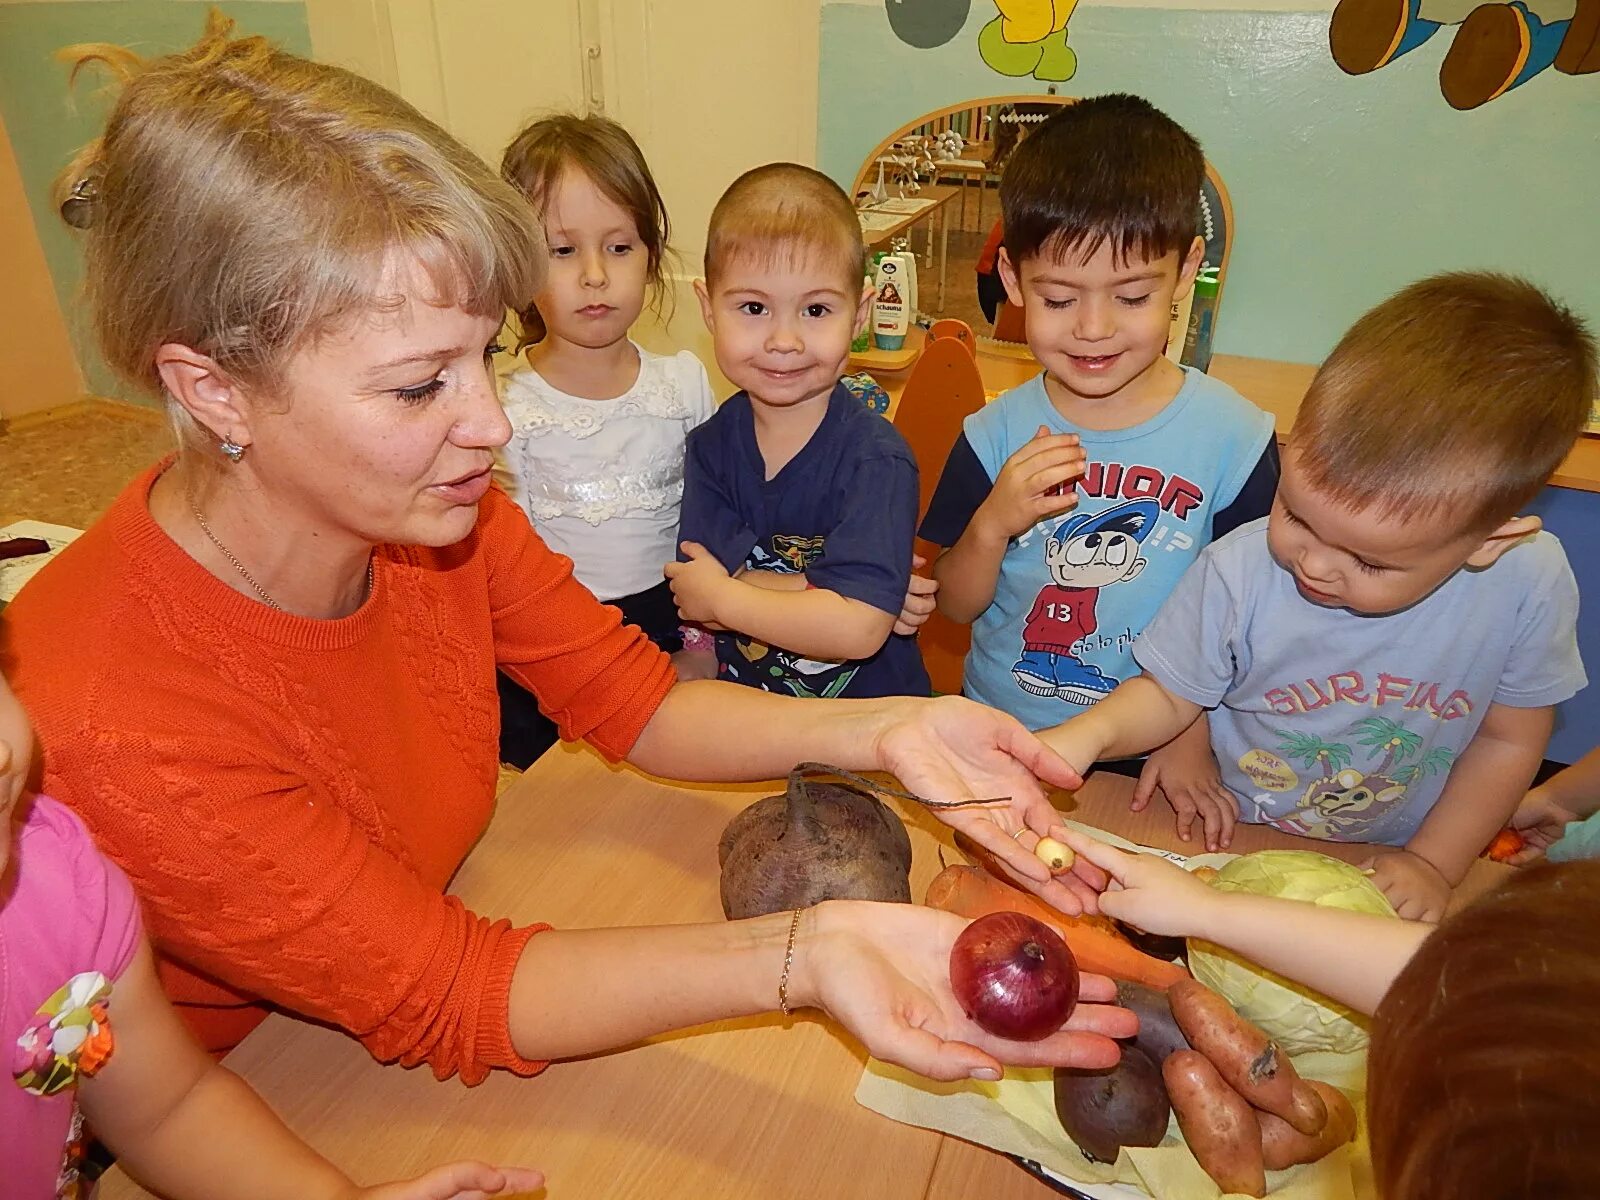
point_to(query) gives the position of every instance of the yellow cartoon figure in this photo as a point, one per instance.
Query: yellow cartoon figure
(1029, 37)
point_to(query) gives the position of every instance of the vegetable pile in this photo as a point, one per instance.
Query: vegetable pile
(1240, 1104)
(1298, 1018)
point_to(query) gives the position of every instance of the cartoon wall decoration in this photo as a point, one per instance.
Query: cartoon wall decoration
(1027, 37)
(1494, 47)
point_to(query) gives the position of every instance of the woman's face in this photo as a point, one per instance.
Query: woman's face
(386, 428)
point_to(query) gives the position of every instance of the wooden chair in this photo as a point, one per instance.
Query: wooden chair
(950, 327)
(943, 390)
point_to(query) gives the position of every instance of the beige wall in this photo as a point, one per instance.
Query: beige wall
(35, 354)
(709, 88)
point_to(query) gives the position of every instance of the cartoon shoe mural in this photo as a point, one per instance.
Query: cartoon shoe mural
(1085, 553)
(1029, 37)
(1495, 47)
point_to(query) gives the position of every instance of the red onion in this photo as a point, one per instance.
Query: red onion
(1014, 976)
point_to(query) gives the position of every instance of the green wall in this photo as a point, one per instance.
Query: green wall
(48, 124)
(1344, 188)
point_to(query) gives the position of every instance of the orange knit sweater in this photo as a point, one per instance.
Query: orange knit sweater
(290, 796)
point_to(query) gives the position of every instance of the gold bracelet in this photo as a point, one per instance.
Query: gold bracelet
(788, 961)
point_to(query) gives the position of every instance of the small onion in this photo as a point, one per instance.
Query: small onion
(1056, 855)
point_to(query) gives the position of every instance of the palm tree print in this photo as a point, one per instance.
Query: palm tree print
(1394, 741)
(1313, 751)
(1436, 761)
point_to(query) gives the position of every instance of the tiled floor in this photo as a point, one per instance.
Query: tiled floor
(66, 469)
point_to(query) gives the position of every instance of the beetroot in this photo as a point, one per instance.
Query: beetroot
(818, 841)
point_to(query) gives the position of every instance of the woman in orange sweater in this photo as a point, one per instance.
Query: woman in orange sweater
(266, 678)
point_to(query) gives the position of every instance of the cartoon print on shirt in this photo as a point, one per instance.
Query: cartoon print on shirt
(1343, 800)
(1085, 553)
(774, 669)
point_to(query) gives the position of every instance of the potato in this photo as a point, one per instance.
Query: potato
(1284, 1146)
(1103, 1111)
(1220, 1126)
(818, 841)
(1159, 1034)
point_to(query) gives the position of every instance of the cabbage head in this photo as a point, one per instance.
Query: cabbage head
(1298, 1019)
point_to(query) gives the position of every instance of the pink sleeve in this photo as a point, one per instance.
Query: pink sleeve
(93, 894)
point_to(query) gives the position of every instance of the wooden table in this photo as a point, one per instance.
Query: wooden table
(738, 1110)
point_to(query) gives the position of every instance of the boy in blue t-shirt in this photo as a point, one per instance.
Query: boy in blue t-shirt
(1381, 656)
(799, 504)
(1072, 504)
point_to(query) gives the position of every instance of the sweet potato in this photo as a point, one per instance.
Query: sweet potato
(1246, 1057)
(973, 892)
(1283, 1146)
(1218, 1123)
(1158, 1034)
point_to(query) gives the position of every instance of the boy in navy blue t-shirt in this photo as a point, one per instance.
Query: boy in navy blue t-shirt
(799, 504)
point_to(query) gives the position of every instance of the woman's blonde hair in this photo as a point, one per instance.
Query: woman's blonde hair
(606, 152)
(243, 201)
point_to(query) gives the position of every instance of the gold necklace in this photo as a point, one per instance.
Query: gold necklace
(266, 598)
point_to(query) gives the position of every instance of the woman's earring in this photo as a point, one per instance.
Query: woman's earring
(232, 449)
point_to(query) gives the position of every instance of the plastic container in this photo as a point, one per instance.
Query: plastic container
(890, 313)
(1202, 320)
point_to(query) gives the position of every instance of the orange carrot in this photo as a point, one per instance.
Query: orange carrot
(1506, 843)
(973, 892)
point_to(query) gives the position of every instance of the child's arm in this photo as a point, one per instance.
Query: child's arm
(1350, 957)
(1485, 784)
(1019, 499)
(1138, 715)
(186, 1127)
(815, 622)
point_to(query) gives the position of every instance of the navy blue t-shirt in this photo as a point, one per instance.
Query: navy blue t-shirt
(843, 512)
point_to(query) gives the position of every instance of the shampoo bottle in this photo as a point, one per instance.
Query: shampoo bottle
(890, 316)
(908, 278)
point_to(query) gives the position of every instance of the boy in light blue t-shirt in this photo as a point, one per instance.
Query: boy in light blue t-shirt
(1071, 506)
(1380, 657)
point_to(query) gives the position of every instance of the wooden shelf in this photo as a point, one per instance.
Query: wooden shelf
(891, 360)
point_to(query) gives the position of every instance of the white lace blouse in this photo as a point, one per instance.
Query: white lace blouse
(602, 480)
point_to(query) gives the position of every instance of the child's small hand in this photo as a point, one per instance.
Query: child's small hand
(921, 599)
(1412, 884)
(1146, 890)
(698, 583)
(695, 664)
(1185, 772)
(457, 1181)
(1034, 483)
(1542, 821)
